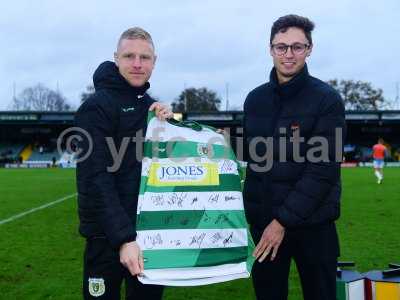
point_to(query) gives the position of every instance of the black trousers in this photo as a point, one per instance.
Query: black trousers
(314, 250)
(103, 275)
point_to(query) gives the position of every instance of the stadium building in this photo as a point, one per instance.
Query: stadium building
(38, 139)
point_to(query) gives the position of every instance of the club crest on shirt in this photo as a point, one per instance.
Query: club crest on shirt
(205, 150)
(96, 287)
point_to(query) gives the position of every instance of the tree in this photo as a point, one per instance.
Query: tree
(86, 94)
(358, 95)
(40, 98)
(192, 99)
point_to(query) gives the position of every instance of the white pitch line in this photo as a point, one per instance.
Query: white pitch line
(20, 215)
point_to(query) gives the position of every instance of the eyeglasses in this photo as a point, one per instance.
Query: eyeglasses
(297, 48)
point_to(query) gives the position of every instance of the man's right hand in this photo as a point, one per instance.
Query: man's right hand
(131, 258)
(270, 240)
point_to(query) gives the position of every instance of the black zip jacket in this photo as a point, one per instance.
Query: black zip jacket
(107, 199)
(296, 193)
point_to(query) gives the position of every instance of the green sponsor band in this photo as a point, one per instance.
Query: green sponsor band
(191, 219)
(180, 258)
(186, 149)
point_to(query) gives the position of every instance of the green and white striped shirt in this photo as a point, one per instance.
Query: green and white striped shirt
(191, 224)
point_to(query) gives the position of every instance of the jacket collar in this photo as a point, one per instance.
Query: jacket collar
(292, 87)
(107, 76)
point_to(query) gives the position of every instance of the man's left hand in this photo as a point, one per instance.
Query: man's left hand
(271, 239)
(162, 111)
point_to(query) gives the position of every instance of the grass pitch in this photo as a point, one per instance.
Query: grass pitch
(41, 253)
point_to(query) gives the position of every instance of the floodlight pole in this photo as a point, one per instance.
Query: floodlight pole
(184, 93)
(227, 96)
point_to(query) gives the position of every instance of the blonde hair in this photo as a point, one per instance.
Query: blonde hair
(135, 33)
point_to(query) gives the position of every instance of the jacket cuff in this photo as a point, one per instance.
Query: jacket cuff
(276, 216)
(128, 238)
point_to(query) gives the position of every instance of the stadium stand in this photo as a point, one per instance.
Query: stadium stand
(10, 152)
(23, 133)
(45, 156)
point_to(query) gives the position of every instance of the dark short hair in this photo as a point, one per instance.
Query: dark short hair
(283, 23)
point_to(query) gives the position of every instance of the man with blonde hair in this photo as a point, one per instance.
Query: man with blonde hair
(108, 195)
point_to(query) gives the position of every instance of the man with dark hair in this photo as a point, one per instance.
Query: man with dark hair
(284, 23)
(114, 118)
(293, 127)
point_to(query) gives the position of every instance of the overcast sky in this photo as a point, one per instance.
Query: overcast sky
(198, 43)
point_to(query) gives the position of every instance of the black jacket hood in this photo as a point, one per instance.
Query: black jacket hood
(107, 76)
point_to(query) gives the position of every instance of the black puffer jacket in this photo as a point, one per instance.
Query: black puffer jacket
(107, 199)
(296, 193)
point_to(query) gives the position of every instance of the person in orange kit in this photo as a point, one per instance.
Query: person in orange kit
(378, 153)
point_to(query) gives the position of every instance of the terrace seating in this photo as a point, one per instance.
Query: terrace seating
(10, 151)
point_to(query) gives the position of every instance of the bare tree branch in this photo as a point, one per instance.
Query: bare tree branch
(40, 98)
